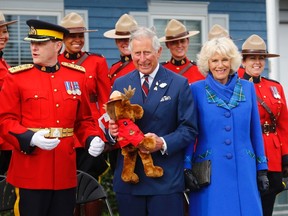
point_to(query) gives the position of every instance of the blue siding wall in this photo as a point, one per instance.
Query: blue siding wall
(103, 14)
(246, 17)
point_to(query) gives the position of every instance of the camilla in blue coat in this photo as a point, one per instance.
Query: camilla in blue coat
(229, 135)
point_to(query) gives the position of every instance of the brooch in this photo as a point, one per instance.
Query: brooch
(161, 85)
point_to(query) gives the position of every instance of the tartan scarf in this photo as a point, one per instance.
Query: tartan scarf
(227, 96)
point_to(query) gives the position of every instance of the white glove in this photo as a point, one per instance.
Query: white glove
(42, 142)
(96, 147)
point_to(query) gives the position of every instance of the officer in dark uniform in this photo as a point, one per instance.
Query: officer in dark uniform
(273, 116)
(98, 89)
(43, 107)
(177, 41)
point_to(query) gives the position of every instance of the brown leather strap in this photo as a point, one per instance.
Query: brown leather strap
(272, 116)
(119, 69)
(185, 69)
(82, 59)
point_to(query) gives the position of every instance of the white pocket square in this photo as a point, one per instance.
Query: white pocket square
(165, 98)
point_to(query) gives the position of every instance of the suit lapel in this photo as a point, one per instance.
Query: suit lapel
(157, 90)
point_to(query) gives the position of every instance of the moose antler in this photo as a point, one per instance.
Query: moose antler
(129, 93)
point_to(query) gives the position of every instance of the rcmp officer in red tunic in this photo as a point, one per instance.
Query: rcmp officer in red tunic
(98, 89)
(43, 106)
(273, 116)
(122, 32)
(177, 41)
(5, 148)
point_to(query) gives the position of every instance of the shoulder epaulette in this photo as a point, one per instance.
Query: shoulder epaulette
(193, 62)
(74, 66)
(96, 54)
(20, 68)
(163, 63)
(270, 79)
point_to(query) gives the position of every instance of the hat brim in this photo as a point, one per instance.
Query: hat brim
(267, 55)
(8, 23)
(37, 39)
(112, 34)
(191, 33)
(114, 100)
(72, 31)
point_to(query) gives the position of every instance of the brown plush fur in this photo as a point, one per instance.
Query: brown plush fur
(123, 109)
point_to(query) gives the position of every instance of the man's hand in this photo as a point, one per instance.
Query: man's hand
(39, 140)
(96, 147)
(113, 128)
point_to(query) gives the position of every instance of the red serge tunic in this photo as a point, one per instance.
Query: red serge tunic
(32, 98)
(3, 72)
(276, 143)
(98, 84)
(182, 67)
(120, 68)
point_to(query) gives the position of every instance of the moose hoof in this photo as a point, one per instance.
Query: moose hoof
(133, 178)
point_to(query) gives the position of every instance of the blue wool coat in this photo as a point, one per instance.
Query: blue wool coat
(231, 138)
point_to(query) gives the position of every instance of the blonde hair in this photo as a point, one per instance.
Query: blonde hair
(223, 46)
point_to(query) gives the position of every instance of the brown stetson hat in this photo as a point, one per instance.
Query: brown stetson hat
(255, 45)
(175, 30)
(123, 28)
(3, 22)
(217, 31)
(74, 23)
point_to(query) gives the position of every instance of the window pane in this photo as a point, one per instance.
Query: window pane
(17, 51)
(195, 41)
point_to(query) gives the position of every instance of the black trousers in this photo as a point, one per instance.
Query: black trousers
(45, 202)
(5, 157)
(275, 187)
(95, 166)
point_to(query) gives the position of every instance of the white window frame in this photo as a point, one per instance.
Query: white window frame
(179, 10)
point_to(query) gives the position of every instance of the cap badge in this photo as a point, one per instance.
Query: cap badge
(32, 31)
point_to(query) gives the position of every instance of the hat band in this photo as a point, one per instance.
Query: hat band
(122, 33)
(48, 33)
(177, 36)
(77, 29)
(251, 51)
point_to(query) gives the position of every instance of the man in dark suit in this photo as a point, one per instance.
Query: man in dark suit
(169, 117)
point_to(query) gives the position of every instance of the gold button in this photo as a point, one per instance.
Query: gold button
(264, 96)
(55, 90)
(57, 121)
(35, 96)
(52, 76)
(57, 105)
(90, 76)
(74, 97)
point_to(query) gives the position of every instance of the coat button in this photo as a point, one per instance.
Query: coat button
(227, 141)
(229, 156)
(227, 128)
(227, 114)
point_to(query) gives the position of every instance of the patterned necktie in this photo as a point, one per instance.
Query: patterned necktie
(145, 85)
